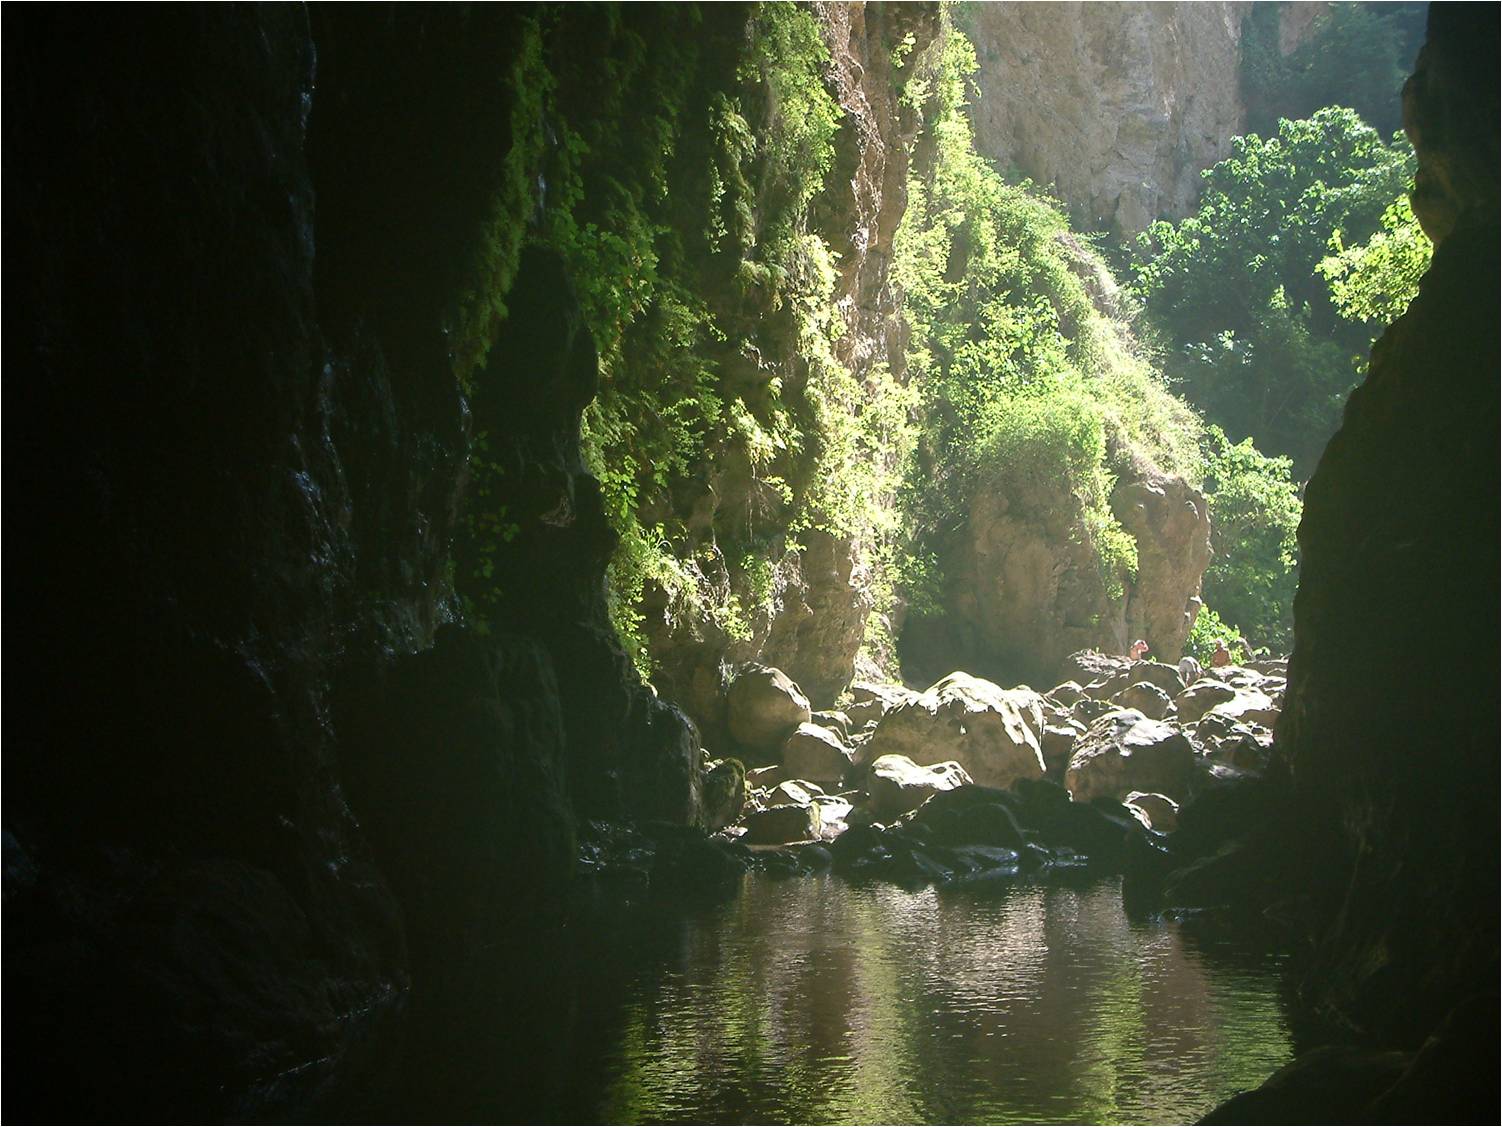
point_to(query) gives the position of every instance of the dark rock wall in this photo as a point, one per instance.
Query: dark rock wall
(1391, 722)
(268, 796)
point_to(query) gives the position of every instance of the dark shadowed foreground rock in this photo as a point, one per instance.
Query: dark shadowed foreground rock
(1393, 751)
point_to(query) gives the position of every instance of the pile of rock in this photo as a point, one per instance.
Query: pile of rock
(968, 778)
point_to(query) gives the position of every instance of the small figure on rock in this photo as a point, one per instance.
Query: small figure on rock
(1138, 650)
(1222, 656)
(1189, 670)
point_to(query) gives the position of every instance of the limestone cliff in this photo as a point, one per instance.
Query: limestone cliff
(1115, 108)
(1025, 588)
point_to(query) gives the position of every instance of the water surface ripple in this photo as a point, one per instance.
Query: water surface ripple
(819, 1001)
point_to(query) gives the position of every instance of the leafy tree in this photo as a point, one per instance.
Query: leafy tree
(1374, 281)
(1245, 321)
(1254, 519)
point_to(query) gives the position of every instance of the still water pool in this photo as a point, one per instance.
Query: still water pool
(817, 1001)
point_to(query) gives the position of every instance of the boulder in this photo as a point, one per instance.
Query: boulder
(1087, 710)
(835, 721)
(1124, 751)
(759, 778)
(1147, 699)
(870, 701)
(1276, 666)
(1091, 665)
(1200, 697)
(1066, 694)
(724, 790)
(1236, 676)
(815, 753)
(991, 732)
(970, 816)
(897, 785)
(779, 825)
(1058, 745)
(1028, 702)
(1248, 706)
(765, 706)
(1165, 677)
(1158, 811)
(794, 792)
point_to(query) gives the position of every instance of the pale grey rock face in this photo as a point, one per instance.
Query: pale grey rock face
(993, 733)
(1116, 108)
(1124, 751)
(815, 753)
(897, 784)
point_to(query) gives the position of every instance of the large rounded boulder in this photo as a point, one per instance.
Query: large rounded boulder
(993, 733)
(1200, 697)
(765, 707)
(1123, 752)
(815, 753)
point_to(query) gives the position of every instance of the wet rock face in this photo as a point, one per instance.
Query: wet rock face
(240, 489)
(1115, 107)
(192, 570)
(1395, 760)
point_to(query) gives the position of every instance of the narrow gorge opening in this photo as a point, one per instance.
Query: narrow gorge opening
(828, 562)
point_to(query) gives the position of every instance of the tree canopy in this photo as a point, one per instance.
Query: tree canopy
(1233, 293)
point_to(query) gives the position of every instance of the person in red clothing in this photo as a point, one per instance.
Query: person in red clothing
(1221, 656)
(1138, 650)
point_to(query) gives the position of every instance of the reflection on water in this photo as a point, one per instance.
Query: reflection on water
(820, 1001)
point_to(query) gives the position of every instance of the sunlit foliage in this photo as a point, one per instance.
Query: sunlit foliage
(1254, 521)
(1374, 281)
(1245, 321)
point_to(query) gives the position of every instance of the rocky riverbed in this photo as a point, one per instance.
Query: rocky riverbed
(1123, 766)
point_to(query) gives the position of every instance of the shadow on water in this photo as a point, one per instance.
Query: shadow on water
(818, 1000)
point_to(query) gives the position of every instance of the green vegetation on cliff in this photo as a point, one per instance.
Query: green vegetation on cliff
(685, 161)
(1026, 385)
(1254, 519)
(672, 155)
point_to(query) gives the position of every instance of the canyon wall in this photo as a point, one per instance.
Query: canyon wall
(276, 805)
(1394, 756)
(1114, 108)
